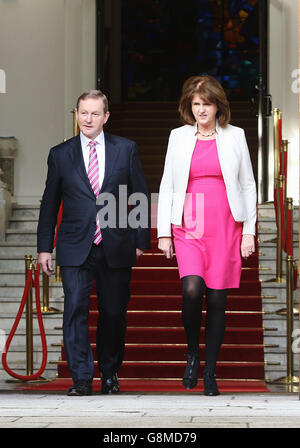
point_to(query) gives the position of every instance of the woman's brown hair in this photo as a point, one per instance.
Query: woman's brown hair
(210, 90)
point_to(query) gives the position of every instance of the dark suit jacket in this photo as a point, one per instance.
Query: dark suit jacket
(67, 181)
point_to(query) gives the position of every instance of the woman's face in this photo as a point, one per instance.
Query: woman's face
(204, 112)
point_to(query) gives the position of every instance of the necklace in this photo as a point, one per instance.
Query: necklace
(206, 135)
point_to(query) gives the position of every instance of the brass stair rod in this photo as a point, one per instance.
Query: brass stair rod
(29, 319)
(277, 150)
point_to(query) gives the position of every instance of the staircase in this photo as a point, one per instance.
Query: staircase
(20, 241)
(254, 344)
(155, 341)
(154, 326)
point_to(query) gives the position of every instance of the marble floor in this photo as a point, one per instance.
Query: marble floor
(279, 408)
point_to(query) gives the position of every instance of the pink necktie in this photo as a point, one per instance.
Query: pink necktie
(93, 175)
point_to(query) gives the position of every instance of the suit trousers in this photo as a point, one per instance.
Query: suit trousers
(113, 296)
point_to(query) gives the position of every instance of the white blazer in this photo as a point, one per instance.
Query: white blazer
(236, 169)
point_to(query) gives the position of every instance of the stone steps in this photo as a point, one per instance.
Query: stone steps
(21, 240)
(11, 304)
(9, 274)
(23, 210)
(16, 291)
(275, 340)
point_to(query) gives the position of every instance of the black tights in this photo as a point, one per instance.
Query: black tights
(192, 295)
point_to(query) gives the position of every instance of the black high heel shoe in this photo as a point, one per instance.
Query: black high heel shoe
(210, 383)
(190, 377)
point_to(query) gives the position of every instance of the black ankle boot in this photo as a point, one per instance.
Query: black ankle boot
(210, 383)
(190, 377)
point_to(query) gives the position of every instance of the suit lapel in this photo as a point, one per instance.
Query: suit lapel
(111, 156)
(76, 155)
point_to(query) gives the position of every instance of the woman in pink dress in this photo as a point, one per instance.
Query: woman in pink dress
(207, 208)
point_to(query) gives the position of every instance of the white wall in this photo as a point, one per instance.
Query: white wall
(47, 49)
(283, 61)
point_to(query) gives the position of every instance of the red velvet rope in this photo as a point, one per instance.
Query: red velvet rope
(295, 275)
(280, 131)
(59, 216)
(36, 284)
(280, 168)
(284, 170)
(282, 220)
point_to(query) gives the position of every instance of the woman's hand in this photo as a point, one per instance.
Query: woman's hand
(247, 246)
(165, 244)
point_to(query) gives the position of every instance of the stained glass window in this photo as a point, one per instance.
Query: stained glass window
(166, 41)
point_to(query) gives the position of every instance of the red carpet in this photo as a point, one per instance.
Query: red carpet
(151, 386)
(155, 342)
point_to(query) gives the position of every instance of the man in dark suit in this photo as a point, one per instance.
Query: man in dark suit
(80, 171)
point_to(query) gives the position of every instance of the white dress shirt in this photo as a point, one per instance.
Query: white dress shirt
(100, 148)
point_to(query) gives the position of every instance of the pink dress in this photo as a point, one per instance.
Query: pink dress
(208, 241)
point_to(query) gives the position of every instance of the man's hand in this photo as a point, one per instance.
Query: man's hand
(247, 246)
(45, 261)
(139, 252)
(166, 245)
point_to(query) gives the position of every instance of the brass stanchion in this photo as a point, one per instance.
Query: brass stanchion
(45, 308)
(290, 378)
(284, 151)
(277, 115)
(29, 331)
(278, 183)
(279, 278)
(57, 273)
(289, 240)
(75, 124)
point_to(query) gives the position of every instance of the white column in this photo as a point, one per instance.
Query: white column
(283, 61)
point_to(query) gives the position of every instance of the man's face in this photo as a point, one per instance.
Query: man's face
(91, 117)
